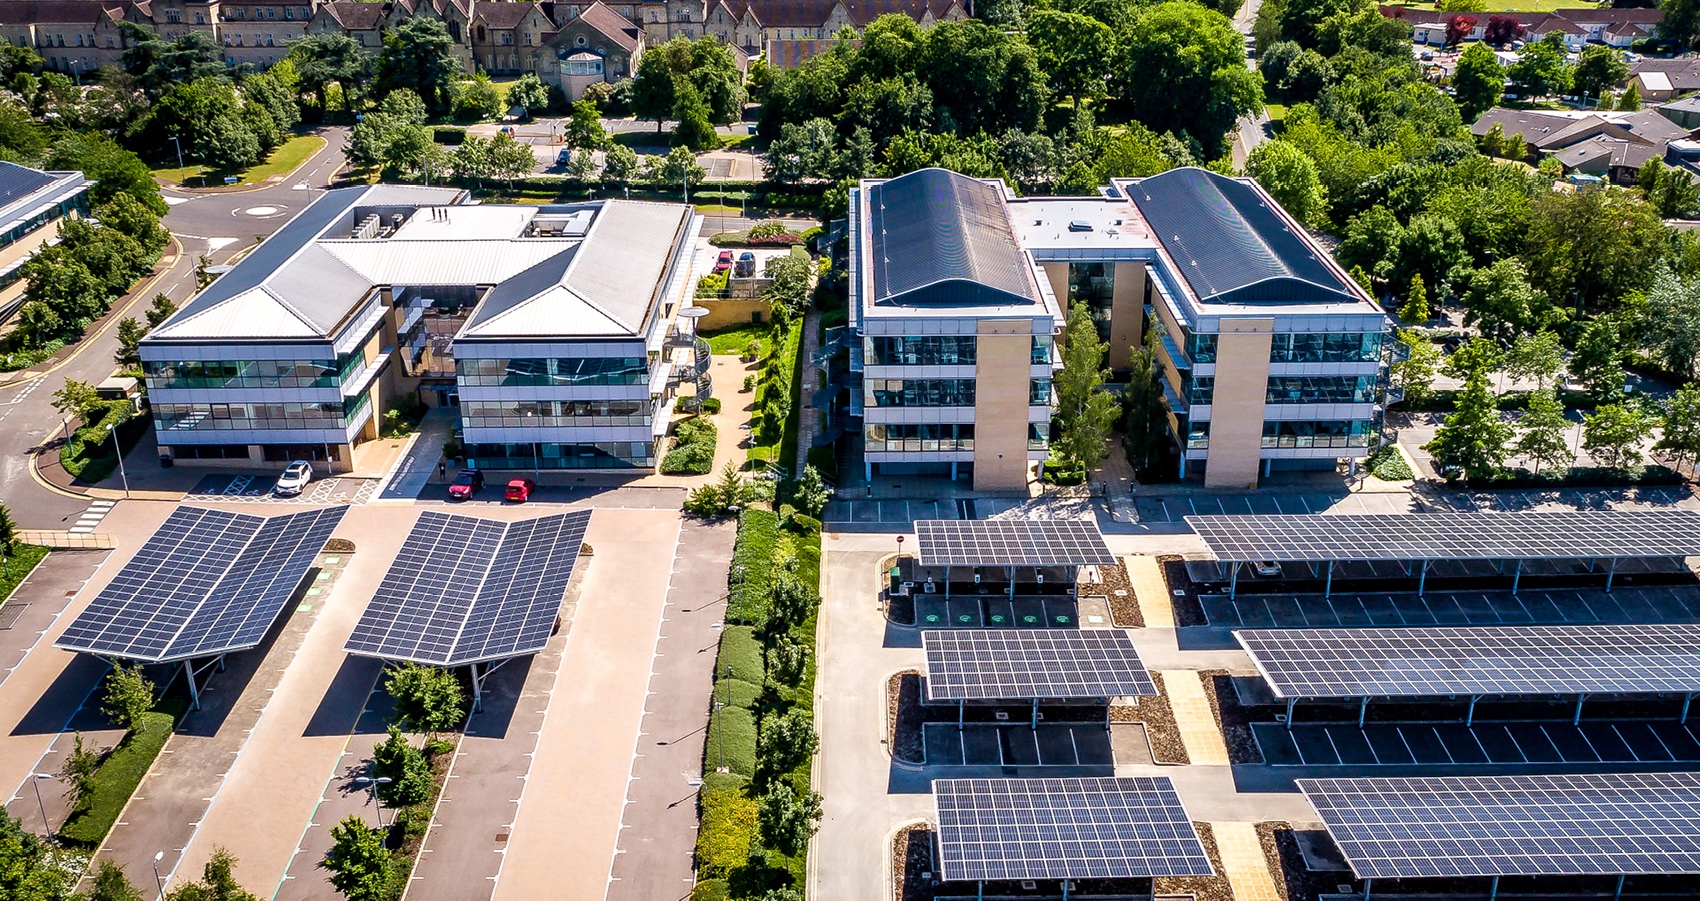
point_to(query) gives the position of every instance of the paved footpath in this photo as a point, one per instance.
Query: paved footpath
(659, 830)
(564, 835)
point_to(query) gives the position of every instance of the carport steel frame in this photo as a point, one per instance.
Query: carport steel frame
(1422, 575)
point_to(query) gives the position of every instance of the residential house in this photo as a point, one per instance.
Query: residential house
(75, 37)
(1580, 27)
(596, 45)
(1610, 144)
(1685, 112)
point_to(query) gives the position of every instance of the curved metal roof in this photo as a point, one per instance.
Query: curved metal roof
(942, 237)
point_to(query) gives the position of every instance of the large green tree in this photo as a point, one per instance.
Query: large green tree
(114, 169)
(1084, 413)
(1541, 70)
(419, 55)
(322, 60)
(158, 63)
(1598, 69)
(1591, 248)
(1183, 70)
(1076, 51)
(1290, 177)
(359, 862)
(1541, 431)
(1474, 440)
(1478, 81)
(1613, 434)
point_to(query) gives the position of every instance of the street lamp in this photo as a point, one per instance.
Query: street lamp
(119, 452)
(179, 146)
(35, 783)
(158, 879)
(536, 466)
(372, 786)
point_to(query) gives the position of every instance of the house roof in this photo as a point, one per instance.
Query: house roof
(355, 15)
(940, 238)
(25, 192)
(601, 18)
(507, 14)
(1684, 105)
(1656, 81)
(1231, 243)
(791, 54)
(59, 12)
(814, 13)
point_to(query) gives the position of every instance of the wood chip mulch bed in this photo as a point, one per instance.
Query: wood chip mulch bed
(1231, 718)
(1202, 888)
(1292, 878)
(912, 855)
(1124, 607)
(904, 716)
(1188, 612)
(1159, 720)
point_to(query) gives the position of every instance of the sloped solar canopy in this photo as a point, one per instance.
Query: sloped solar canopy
(939, 237)
(1001, 542)
(1451, 536)
(1447, 826)
(1093, 828)
(467, 590)
(208, 582)
(1023, 664)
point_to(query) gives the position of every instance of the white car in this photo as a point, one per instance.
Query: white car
(295, 477)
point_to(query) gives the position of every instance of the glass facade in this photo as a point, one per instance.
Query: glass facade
(553, 371)
(78, 204)
(1200, 348)
(1038, 436)
(1039, 392)
(244, 373)
(1326, 389)
(918, 392)
(1200, 389)
(928, 350)
(1042, 348)
(226, 417)
(600, 455)
(917, 437)
(558, 413)
(1336, 433)
(1094, 285)
(1197, 435)
(1350, 347)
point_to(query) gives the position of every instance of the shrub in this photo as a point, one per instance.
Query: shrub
(740, 655)
(693, 449)
(749, 384)
(405, 767)
(713, 284)
(728, 831)
(129, 696)
(770, 229)
(751, 575)
(451, 135)
(711, 406)
(427, 699)
(707, 889)
(787, 741)
(731, 741)
(116, 781)
(736, 693)
(1387, 463)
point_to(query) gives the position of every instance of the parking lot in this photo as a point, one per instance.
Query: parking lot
(257, 489)
(1017, 744)
(932, 611)
(1651, 604)
(1487, 744)
(1174, 509)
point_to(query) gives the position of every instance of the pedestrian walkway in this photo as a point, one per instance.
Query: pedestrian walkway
(1150, 591)
(808, 421)
(1194, 718)
(419, 461)
(1244, 862)
(90, 518)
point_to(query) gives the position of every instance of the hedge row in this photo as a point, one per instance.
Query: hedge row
(751, 578)
(693, 451)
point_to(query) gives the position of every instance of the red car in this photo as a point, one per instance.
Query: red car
(467, 482)
(724, 263)
(519, 490)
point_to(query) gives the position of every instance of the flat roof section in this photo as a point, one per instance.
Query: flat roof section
(1446, 826)
(1032, 664)
(208, 582)
(1494, 660)
(1005, 542)
(1451, 536)
(1093, 828)
(466, 590)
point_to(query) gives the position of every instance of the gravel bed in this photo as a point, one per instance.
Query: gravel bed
(1293, 879)
(1188, 612)
(1231, 718)
(904, 716)
(1159, 720)
(1202, 888)
(1124, 608)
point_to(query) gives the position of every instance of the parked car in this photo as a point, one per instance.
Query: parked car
(519, 490)
(746, 265)
(462, 488)
(564, 157)
(723, 262)
(295, 477)
(1267, 569)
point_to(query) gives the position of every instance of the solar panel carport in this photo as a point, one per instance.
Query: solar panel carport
(1476, 662)
(468, 591)
(1032, 665)
(1426, 537)
(206, 583)
(1009, 544)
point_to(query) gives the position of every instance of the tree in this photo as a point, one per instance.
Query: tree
(478, 99)
(1681, 23)
(1301, 20)
(75, 398)
(1415, 311)
(113, 169)
(110, 884)
(809, 150)
(130, 334)
(1076, 51)
(427, 699)
(584, 166)
(29, 868)
(652, 88)
(1458, 28)
(1478, 81)
(1592, 247)
(510, 158)
(1477, 358)
(218, 882)
(1432, 247)
(129, 696)
(1681, 427)
(529, 93)
(321, 60)
(1084, 414)
(127, 215)
(620, 164)
(1671, 321)
(406, 768)
(788, 820)
(789, 290)
(8, 529)
(787, 741)
(1541, 432)
(358, 861)
(77, 772)
(812, 493)
(1473, 441)
(584, 130)
(793, 602)
(419, 55)
(1371, 238)
(679, 167)
(787, 661)
(1613, 433)
(1671, 191)
(158, 64)
(1290, 177)
(695, 130)
(1538, 358)
(1598, 360)
(1630, 99)
(1147, 410)
(1501, 303)
(1183, 70)
(159, 311)
(1541, 69)
(268, 92)
(1598, 68)
(1501, 30)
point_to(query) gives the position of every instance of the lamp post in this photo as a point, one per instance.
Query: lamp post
(536, 465)
(158, 879)
(372, 787)
(119, 452)
(179, 145)
(35, 783)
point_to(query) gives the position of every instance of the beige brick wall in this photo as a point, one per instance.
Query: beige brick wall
(1236, 414)
(1127, 313)
(1057, 275)
(1000, 405)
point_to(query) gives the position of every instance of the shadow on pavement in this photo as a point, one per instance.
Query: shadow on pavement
(339, 710)
(501, 696)
(64, 698)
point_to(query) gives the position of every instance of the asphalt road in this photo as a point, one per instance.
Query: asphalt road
(217, 224)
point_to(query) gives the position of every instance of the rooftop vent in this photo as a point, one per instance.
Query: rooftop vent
(1080, 225)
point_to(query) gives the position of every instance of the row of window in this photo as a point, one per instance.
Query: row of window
(1346, 347)
(938, 350)
(243, 373)
(918, 392)
(200, 417)
(892, 437)
(78, 204)
(600, 455)
(1337, 433)
(536, 414)
(1339, 389)
(267, 12)
(235, 40)
(553, 371)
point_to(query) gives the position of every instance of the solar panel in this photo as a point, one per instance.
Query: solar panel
(1094, 828)
(985, 542)
(1451, 536)
(1445, 826)
(464, 589)
(207, 582)
(1003, 664)
(1476, 660)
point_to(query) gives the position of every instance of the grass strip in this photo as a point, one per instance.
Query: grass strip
(116, 780)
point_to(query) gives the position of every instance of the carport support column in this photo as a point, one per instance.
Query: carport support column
(947, 583)
(1493, 891)
(1367, 884)
(477, 690)
(194, 693)
(1012, 583)
(1290, 703)
(1328, 585)
(1233, 579)
(1422, 579)
(1610, 572)
(1470, 715)
(1363, 708)
(1687, 699)
(1035, 714)
(1619, 893)
(959, 715)
(1577, 719)
(1517, 577)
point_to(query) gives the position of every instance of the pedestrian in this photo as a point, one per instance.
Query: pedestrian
(442, 468)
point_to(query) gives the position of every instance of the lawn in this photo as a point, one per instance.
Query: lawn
(117, 779)
(1277, 112)
(732, 340)
(283, 160)
(19, 561)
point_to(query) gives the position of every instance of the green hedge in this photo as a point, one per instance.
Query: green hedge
(1387, 463)
(751, 577)
(736, 692)
(451, 135)
(727, 830)
(709, 889)
(693, 454)
(731, 741)
(740, 656)
(117, 779)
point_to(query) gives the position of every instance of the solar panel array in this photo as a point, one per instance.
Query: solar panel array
(985, 542)
(1094, 828)
(206, 583)
(464, 589)
(1003, 664)
(1451, 536)
(1476, 660)
(1447, 826)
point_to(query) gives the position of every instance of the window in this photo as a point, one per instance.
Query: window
(231, 417)
(1039, 393)
(918, 392)
(479, 34)
(1038, 436)
(932, 350)
(507, 39)
(548, 455)
(238, 40)
(289, 12)
(554, 413)
(241, 374)
(79, 40)
(172, 15)
(1094, 285)
(1200, 390)
(1197, 435)
(561, 372)
(584, 67)
(1344, 389)
(919, 437)
(1351, 347)
(579, 41)
(199, 18)
(271, 12)
(1337, 433)
(1042, 347)
(684, 15)
(1200, 348)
